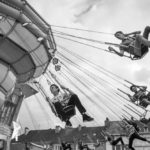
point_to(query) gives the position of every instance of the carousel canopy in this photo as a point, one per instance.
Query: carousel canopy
(26, 42)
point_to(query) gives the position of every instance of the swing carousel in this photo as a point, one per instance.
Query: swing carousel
(27, 47)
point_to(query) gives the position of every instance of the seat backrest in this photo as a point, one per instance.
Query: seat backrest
(144, 51)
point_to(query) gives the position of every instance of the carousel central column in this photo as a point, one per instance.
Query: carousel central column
(9, 107)
(6, 116)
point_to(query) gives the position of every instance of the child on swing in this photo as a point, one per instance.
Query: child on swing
(136, 45)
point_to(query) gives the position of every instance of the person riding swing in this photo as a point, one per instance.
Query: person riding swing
(110, 138)
(63, 100)
(139, 95)
(136, 45)
(132, 132)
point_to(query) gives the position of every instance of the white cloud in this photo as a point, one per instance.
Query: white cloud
(142, 75)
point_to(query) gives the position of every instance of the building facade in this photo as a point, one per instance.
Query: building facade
(51, 139)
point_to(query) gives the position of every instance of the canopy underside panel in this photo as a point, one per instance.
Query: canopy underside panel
(22, 50)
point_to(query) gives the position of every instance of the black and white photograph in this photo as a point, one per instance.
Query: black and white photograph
(74, 75)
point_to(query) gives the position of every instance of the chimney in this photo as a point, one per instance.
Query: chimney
(57, 129)
(26, 130)
(107, 122)
(79, 127)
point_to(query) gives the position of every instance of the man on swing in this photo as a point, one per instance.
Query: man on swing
(136, 45)
(61, 100)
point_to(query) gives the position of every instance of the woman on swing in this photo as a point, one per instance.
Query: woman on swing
(61, 100)
(136, 45)
(133, 132)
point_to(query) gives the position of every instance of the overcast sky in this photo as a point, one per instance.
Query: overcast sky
(106, 16)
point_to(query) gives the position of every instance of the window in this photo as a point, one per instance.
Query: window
(120, 147)
(145, 129)
(57, 147)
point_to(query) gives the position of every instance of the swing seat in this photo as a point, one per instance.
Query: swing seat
(69, 110)
(144, 51)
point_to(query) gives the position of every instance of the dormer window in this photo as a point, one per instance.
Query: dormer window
(145, 129)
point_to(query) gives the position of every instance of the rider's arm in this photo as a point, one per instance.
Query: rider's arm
(133, 33)
(67, 89)
(61, 85)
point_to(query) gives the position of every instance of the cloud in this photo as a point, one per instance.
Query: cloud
(83, 8)
(88, 9)
(84, 11)
(142, 75)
